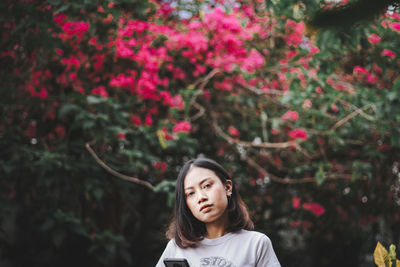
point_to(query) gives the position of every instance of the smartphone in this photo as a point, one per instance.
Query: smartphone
(176, 262)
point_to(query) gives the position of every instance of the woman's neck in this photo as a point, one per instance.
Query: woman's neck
(217, 228)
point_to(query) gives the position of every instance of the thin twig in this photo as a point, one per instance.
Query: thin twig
(350, 116)
(231, 140)
(201, 112)
(362, 113)
(115, 173)
(262, 92)
(202, 81)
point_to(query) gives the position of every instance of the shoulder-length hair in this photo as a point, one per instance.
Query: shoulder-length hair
(185, 229)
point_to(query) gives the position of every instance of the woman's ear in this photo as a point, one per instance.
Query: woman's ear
(228, 187)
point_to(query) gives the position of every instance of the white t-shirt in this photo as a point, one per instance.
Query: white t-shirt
(240, 249)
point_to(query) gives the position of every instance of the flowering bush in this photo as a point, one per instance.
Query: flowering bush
(308, 126)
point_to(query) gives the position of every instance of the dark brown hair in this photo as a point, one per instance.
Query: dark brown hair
(185, 229)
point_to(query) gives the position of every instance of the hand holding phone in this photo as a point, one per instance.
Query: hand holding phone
(176, 262)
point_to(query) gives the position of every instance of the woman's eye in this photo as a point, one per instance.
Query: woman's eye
(207, 185)
(189, 194)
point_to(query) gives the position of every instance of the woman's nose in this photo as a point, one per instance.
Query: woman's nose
(202, 197)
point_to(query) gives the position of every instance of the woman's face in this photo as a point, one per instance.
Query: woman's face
(206, 195)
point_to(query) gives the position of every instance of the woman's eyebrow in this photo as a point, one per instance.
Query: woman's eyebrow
(201, 182)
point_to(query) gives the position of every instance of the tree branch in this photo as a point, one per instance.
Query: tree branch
(288, 180)
(115, 173)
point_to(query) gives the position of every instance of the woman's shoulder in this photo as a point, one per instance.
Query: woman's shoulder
(253, 235)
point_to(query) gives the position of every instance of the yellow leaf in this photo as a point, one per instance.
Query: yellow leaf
(161, 139)
(381, 256)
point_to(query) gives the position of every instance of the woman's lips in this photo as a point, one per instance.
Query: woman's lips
(206, 208)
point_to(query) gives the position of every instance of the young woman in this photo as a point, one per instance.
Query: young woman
(211, 224)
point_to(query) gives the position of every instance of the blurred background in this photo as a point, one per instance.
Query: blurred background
(103, 101)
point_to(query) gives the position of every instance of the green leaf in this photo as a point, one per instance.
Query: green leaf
(320, 175)
(95, 99)
(67, 109)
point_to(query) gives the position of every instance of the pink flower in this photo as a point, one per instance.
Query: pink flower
(253, 61)
(135, 120)
(122, 50)
(225, 85)
(296, 203)
(177, 102)
(359, 70)
(233, 131)
(43, 94)
(307, 104)
(374, 39)
(377, 68)
(71, 62)
(290, 115)
(314, 50)
(274, 131)
(174, 102)
(59, 51)
(148, 120)
(182, 126)
(314, 208)
(298, 134)
(318, 90)
(334, 107)
(389, 53)
(121, 136)
(59, 19)
(167, 136)
(295, 223)
(101, 91)
(395, 26)
(75, 28)
(295, 31)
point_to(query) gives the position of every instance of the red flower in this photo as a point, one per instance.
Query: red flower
(161, 166)
(121, 136)
(314, 208)
(233, 131)
(167, 136)
(43, 94)
(60, 131)
(298, 133)
(135, 120)
(295, 223)
(182, 126)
